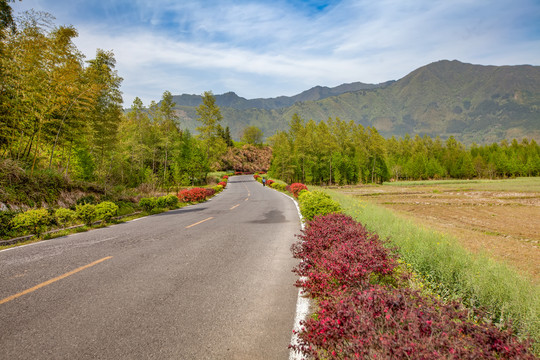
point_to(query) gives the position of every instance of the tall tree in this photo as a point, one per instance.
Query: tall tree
(252, 135)
(209, 117)
(169, 130)
(106, 114)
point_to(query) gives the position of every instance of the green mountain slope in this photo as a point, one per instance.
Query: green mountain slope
(474, 103)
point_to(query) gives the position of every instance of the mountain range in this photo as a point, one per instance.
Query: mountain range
(473, 103)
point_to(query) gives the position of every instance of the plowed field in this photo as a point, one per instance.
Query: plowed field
(498, 217)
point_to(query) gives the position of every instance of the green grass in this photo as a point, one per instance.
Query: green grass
(453, 272)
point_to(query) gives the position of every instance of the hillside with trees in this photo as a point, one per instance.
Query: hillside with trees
(472, 103)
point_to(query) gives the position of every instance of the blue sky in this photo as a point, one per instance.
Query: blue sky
(282, 47)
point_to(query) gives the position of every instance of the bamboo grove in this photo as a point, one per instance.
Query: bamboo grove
(340, 152)
(64, 115)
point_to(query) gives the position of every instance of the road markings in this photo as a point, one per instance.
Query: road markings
(234, 207)
(200, 222)
(48, 282)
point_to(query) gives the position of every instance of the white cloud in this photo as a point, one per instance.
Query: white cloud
(265, 49)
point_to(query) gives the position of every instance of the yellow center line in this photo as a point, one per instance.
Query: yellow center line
(235, 206)
(200, 222)
(48, 282)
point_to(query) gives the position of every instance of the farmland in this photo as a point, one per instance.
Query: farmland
(500, 218)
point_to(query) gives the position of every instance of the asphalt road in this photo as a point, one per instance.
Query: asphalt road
(208, 281)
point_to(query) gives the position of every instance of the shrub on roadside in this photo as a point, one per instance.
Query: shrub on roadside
(314, 203)
(295, 188)
(339, 254)
(192, 195)
(125, 207)
(279, 186)
(161, 202)
(106, 210)
(64, 216)
(218, 188)
(86, 213)
(35, 221)
(269, 182)
(344, 267)
(171, 201)
(6, 225)
(222, 183)
(387, 323)
(148, 204)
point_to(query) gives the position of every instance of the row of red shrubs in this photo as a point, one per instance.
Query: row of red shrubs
(364, 313)
(198, 194)
(195, 194)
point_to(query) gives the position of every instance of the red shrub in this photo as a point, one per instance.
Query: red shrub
(295, 189)
(225, 177)
(256, 176)
(269, 182)
(339, 254)
(358, 320)
(387, 323)
(222, 183)
(193, 195)
(238, 173)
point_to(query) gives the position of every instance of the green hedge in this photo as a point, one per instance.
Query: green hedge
(314, 203)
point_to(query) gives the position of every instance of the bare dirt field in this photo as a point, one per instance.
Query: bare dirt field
(498, 217)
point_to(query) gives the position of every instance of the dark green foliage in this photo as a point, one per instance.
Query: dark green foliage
(88, 199)
(6, 226)
(147, 204)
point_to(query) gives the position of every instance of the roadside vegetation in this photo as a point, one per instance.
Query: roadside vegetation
(385, 288)
(35, 224)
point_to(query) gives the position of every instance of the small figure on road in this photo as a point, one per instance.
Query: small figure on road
(264, 181)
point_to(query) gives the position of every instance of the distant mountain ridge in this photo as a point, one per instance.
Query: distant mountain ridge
(473, 103)
(230, 99)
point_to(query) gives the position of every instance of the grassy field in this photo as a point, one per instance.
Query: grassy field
(441, 228)
(500, 218)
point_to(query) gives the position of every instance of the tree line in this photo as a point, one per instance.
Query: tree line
(64, 114)
(340, 152)
(55, 108)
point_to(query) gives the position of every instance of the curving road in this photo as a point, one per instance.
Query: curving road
(209, 281)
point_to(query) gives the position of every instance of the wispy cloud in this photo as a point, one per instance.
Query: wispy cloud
(264, 49)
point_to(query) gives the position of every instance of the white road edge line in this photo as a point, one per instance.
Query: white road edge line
(302, 302)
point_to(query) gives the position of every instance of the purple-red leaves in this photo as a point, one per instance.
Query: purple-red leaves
(358, 318)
